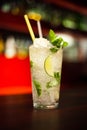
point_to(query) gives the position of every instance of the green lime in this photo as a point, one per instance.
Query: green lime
(48, 65)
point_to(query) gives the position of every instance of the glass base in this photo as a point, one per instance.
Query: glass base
(41, 106)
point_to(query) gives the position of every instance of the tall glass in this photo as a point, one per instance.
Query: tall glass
(46, 76)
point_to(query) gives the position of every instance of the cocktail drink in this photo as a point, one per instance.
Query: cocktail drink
(46, 65)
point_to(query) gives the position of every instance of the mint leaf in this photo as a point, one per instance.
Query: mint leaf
(52, 83)
(48, 85)
(51, 35)
(38, 87)
(31, 63)
(57, 42)
(55, 81)
(53, 49)
(57, 76)
(65, 44)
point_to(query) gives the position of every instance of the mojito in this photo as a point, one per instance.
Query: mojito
(46, 65)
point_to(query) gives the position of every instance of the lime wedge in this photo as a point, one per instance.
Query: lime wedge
(34, 16)
(48, 65)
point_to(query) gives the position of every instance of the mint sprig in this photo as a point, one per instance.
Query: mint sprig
(56, 41)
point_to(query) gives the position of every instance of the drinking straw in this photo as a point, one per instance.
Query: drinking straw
(29, 27)
(39, 28)
(36, 17)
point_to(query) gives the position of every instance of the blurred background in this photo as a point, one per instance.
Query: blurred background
(67, 18)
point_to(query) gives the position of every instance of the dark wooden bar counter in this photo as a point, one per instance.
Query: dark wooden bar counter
(17, 113)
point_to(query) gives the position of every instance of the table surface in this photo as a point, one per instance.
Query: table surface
(17, 113)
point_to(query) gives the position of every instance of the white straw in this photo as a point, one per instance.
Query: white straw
(39, 28)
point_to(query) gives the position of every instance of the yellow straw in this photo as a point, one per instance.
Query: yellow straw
(29, 27)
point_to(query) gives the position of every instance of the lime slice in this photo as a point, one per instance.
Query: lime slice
(48, 65)
(34, 16)
(53, 63)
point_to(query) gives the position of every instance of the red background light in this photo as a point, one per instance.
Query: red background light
(14, 76)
